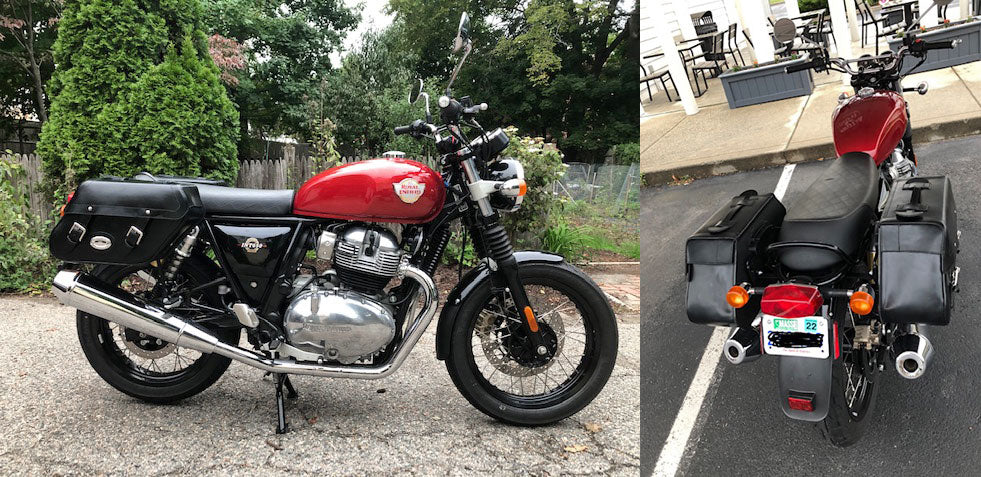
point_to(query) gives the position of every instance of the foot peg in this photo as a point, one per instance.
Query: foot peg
(282, 427)
(743, 346)
(913, 353)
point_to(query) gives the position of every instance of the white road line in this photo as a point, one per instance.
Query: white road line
(684, 423)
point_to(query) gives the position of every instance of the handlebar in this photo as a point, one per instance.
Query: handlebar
(416, 128)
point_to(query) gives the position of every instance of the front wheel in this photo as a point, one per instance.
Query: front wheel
(489, 360)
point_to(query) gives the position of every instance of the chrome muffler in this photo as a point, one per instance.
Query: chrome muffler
(913, 352)
(95, 297)
(743, 346)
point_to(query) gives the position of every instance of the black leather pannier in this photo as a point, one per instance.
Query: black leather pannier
(124, 222)
(727, 251)
(918, 242)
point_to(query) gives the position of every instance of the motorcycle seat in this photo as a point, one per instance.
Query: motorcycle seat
(218, 200)
(837, 209)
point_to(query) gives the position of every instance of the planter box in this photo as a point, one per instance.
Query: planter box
(766, 83)
(969, 50)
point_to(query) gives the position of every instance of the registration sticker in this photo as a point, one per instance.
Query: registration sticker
(805, 337)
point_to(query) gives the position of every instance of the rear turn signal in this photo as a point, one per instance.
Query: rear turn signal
(861, 303)
(737, 297)
(61, 212)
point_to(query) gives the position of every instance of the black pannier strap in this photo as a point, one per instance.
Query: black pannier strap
(915, 209)
(76, 233)
(746, 198)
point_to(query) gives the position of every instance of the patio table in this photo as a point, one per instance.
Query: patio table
(891, 10)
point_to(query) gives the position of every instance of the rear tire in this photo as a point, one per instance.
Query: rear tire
(846, 422)
(95, 335)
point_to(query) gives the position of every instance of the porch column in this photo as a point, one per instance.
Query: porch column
(964, 8)
(793, 9)
(930, 19)
(852, 18)
(664, 39)
(683, 17)
(839, 25)
(755, 17)
(732, 14)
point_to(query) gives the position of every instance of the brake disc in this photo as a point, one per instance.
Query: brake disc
(145, 346)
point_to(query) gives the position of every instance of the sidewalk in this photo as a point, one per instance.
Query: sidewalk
(719, 140)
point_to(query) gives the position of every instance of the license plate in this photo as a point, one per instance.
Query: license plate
(805, 337)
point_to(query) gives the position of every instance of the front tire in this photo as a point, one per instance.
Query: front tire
(110, 351)
(482, 316)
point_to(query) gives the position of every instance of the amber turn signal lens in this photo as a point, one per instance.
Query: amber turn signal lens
(737, 297)
(522, 189)
(861, 303)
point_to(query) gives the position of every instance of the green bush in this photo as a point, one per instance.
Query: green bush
(543, 166)
(810, 5)
(109, 114)
(569, 242)
(626, 154)
(24, 261)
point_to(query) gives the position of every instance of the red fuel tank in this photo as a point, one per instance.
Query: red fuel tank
(874, 124)
(377, 190)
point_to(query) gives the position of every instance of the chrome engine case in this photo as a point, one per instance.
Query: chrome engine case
(338, 325)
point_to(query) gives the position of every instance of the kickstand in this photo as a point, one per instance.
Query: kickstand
(283, 380)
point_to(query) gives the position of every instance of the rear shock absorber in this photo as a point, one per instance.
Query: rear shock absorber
(181, 253)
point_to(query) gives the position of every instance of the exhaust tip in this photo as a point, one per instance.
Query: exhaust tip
(743, 346)
(914, 352)
(63, 282)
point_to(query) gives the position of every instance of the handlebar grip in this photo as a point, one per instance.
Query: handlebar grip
(939, 45)
(800, 67)
(399, 130)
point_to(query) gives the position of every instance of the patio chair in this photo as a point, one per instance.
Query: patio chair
(713, 60)
(658, 75)
(880, 30)
(733, 45)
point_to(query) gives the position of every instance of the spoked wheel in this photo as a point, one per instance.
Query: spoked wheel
(853, 385)
(496, 369)
(144, 366)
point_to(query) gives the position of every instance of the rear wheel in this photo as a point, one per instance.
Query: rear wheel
(853, 384)
(143, 366)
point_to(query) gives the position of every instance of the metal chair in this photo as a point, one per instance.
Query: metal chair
(658, 75)
(733, 44)
(886, 30)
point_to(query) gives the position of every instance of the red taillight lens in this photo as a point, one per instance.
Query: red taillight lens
(801, 404)
(791, 301)
(71, 195)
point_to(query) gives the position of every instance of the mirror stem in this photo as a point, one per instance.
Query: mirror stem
(466, 52)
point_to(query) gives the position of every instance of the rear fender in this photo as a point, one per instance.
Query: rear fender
(470, 282)
(805, 377)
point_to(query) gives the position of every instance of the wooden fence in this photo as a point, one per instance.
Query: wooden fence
(29, 181)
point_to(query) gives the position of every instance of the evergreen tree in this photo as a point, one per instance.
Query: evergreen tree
(135, 90)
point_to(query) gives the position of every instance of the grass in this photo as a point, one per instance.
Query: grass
(774, 2)
(601, 228)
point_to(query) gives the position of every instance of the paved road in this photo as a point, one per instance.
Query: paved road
(928, 426)
(59, 417)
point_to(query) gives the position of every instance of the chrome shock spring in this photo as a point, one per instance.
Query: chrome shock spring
(181, 253)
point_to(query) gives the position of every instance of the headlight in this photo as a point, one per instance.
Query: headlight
(512, 176)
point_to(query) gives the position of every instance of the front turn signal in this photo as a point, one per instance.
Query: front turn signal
(861, 303)
(737, 297)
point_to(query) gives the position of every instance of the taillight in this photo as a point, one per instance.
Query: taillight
(71, 195)
(791, 301)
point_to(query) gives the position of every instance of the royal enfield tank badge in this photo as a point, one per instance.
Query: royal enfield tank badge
(252, 245)
(409, 190)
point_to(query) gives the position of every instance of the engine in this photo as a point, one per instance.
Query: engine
(345, 321)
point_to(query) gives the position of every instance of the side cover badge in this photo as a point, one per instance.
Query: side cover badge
(409, 190)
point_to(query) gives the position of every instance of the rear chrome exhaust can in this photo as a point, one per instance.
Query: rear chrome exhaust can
(97, 298)
(743, 346)
(913, 353)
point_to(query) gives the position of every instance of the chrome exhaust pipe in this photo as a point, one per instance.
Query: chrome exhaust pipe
(743, 346)
(94, 297)
(913, 353)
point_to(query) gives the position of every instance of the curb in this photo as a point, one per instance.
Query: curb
(923, 134)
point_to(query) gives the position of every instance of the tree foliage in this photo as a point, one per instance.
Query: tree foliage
(288, 45)
(27, 32)
(135, 89)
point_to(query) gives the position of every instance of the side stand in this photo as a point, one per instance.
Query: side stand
(283, 380)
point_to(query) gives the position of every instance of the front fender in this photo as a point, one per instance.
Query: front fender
(470, 281)
(805, 377)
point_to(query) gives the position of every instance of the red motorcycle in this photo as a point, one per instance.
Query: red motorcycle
(184, 266)
(850, 276)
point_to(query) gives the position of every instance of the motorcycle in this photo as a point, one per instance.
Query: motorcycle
(852, 275)
(167, 272)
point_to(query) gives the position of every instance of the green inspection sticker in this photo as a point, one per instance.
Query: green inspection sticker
(782, 324)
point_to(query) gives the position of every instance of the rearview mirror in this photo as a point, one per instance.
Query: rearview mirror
(462, 33)
(784, 31)
(415, 91)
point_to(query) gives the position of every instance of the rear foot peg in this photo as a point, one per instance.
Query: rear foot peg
(282, 427)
